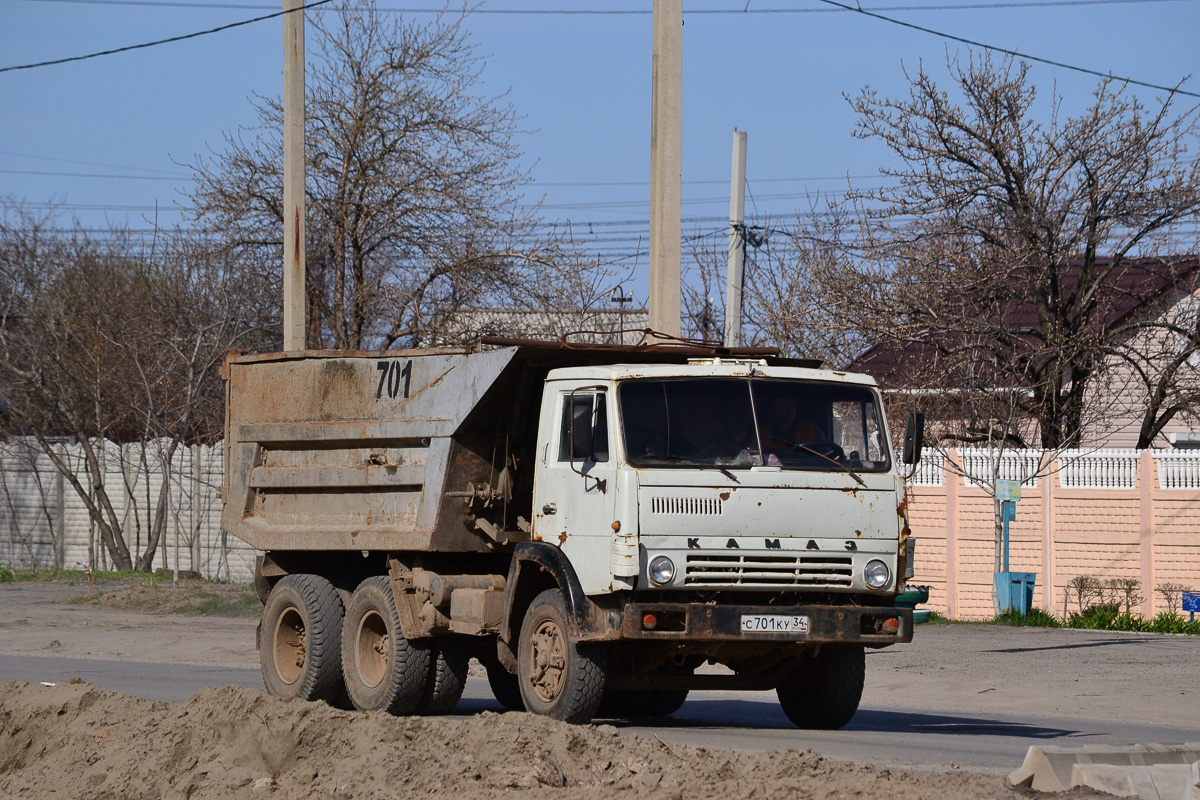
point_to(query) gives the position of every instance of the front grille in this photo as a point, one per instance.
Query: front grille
(767, 571)
(692, 506)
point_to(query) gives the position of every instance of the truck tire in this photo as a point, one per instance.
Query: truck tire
(626, 703)
(505, 688)
(664, 702)
(301, 653)
(449, 657)
(823, 693)
(383, 670)
(559, 678)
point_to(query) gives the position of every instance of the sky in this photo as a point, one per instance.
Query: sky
(107, 141)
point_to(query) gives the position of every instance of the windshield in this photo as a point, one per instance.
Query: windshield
(737, 423)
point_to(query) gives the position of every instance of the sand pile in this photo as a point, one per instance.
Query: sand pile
(78, 741)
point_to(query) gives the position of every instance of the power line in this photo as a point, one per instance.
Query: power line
(1006, 51)
(610, 12)
(185, 36)
(92, 175)
(584, 12)
(77, 161)
(705, 183)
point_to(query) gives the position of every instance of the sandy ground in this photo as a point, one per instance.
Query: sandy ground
(1118, 677)
(80, 741)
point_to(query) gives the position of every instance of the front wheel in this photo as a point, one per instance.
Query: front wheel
(301, 652)
(823, 692)
(559, 678)
(383, 670)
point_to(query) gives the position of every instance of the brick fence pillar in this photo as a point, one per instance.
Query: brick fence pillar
(1145, 480)
(1047, 480)
(951, 482)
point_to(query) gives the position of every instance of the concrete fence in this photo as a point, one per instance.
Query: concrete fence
(1104, 513)
(1108, 514)
(44, 522)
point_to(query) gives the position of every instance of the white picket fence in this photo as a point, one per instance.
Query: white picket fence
(44, 522)
(1077, 469)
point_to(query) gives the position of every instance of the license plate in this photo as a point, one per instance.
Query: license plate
(773, 623)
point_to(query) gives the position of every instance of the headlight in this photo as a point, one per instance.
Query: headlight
(662, 570)
(876, 574)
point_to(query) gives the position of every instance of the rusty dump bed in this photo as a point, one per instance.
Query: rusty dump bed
(339, 450)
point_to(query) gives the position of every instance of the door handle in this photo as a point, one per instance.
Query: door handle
(550, 508)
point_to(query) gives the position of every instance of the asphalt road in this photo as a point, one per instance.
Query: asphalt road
(892, 736)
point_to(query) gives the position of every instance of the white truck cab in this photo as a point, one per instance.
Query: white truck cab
(691, 477)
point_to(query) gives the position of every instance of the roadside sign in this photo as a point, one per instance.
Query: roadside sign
(1191, 602)
(1008, 490)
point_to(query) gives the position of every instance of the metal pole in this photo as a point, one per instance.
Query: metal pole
(666, 159)
(293, 176)
(737, 243)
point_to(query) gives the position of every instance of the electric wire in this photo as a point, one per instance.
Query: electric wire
(42, 173)
(1006, 51)
(632, 12)
(169, 40)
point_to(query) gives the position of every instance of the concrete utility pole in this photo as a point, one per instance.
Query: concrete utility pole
(293, 176)
(666, 160)
(737, 243)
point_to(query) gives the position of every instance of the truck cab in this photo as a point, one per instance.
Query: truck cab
(718, 476)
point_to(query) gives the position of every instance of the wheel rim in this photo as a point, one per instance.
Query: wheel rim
(548, 660)
(289, 645)
(372, 649)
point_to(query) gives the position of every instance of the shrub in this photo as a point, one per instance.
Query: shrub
(1036, 618)
(6, 574)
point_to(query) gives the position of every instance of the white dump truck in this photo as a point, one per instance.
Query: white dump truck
(594, 524)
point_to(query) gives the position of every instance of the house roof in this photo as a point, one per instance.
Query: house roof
(1133, 286)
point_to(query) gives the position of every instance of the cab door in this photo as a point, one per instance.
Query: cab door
(575, 490)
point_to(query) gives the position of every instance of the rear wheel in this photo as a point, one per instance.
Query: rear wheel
(824, 691)
(558, 677)
(449, 657)
(301, 653)
(383, 670)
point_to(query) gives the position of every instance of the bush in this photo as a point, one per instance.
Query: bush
(6, 574)
(1168, 622)
(1035, 618)
(1099, 618)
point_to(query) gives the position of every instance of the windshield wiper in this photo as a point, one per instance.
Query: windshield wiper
(728, 474)
(834, 461)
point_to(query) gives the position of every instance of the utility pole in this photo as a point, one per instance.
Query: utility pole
(666, 166)
(737, 243)
(293, 176)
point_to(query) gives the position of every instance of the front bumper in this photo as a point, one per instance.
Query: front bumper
(700, 622)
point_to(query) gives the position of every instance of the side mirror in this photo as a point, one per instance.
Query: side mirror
(914, 437)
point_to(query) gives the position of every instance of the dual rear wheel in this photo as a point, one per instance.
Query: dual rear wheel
(316, 649)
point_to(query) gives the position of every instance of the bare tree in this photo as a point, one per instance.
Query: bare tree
(111, 341)
(1007, 245)
(783, 306)
(413, 185)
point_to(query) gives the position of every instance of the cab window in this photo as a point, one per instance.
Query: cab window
(583, 431)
